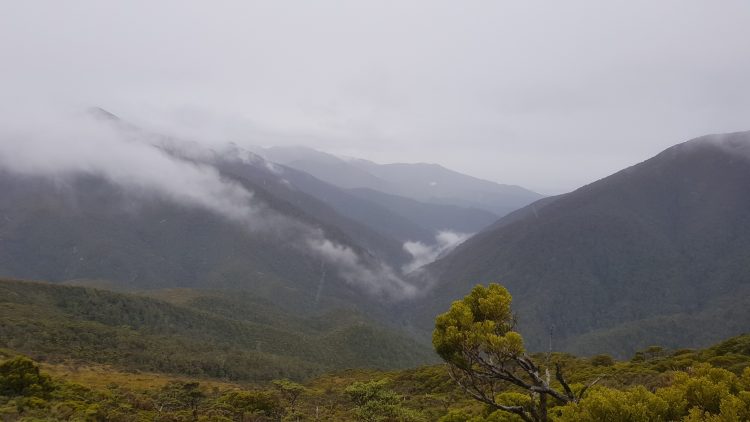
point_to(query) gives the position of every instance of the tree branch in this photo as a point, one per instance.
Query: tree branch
(475, 392)
(561, 379)
(593, 383)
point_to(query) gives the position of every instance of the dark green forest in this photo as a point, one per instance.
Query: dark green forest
(226, 335)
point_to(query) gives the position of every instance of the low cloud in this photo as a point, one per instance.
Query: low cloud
(180, 171)
(423, 254)
(376, 278)
(69, 145)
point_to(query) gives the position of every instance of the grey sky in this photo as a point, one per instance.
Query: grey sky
(549, 95)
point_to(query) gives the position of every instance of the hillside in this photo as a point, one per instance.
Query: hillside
(219, 334)
(87, 224)
(88, 228)
(654, 254)
(377, 216)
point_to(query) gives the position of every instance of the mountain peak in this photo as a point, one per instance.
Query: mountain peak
(733, 143)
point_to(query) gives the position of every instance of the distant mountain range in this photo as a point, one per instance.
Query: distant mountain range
(658, 253)
(427, 183)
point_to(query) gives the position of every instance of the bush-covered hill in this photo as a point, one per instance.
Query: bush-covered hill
(221, 334)
(657, 252)
(656, 384)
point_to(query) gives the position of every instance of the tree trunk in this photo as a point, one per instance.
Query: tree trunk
(543, 407)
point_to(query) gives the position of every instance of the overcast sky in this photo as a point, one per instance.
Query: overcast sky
(549, 95)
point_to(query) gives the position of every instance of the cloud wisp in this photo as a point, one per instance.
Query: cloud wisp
(68, 145)
(376, 278)
(423, 254)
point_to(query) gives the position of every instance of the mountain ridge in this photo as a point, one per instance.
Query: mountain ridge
(425, 182)
(663, 237)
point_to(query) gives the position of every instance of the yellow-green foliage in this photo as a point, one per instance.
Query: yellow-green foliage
(702, 393)
(604, 404)
(20, 376)
(375, 402)
(476, 338)
(100, 377)
(705, 393)
(481, 320)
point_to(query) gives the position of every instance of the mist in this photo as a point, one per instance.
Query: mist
(546, 96)
(59, 146)
(423, 254)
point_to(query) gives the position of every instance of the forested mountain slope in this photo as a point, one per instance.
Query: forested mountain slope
(221, 334)
(87, 228)
(658, 253)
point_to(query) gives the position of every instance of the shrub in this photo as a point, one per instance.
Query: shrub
(20, 376)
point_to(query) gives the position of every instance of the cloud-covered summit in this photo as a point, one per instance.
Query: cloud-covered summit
(145, 164)
(547, 96)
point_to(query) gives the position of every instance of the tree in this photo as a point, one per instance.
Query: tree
(290, 391)
(602, 360)
(177, 395)
(486, 356)
(251, 405)
(20, 376)
(376, 403)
